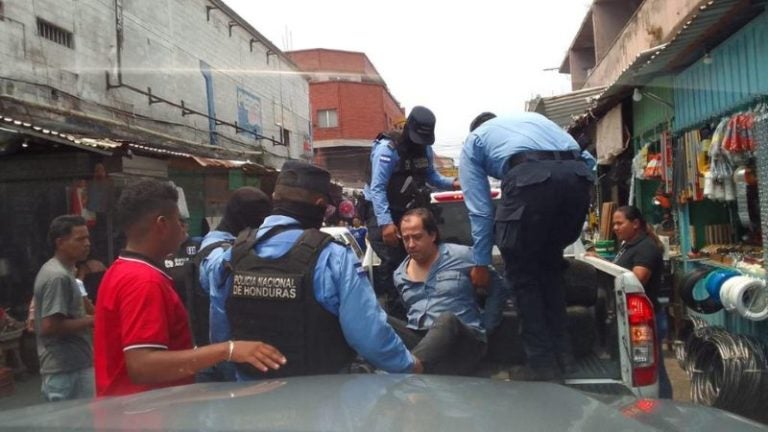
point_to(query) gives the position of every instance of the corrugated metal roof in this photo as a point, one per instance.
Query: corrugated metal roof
(713, 22)
(108, 146)
(103, 146)
(342, 142)
(734, 76)
(561, 109)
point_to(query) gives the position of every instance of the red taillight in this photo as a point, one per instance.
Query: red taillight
(642, 331)
(458, 196)
(448, 196)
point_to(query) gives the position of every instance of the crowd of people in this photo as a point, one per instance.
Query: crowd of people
(267, 294)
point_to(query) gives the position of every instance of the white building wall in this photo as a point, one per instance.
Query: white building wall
(166, 42)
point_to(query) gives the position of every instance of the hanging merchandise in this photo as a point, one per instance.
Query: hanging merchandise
(653, 169)
(761, 137)
(693, 184)
(738, 141)
(666, 161)
(678, 172)
(721, 187)
(639, 162)
(743, 177)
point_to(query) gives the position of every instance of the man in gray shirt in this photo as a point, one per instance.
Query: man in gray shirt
(63, 329)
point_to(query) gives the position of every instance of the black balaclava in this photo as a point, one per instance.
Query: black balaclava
(308, 215)
(246, 209)
(295, 185)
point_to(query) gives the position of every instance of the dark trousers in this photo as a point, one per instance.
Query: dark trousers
(448, 348)
(543, 208)
(390, 257)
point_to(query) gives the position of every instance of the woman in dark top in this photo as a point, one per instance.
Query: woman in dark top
(641, 252)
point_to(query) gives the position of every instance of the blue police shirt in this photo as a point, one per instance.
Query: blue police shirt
(384, 160)
(359, 234)
(341, 287)
(485, 153)
(448, 289)
(213, 259)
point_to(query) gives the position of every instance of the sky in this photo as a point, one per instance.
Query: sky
(458, 59)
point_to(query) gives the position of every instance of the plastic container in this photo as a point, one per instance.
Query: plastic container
(605, 248)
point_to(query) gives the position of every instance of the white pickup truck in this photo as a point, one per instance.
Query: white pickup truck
(611, 320)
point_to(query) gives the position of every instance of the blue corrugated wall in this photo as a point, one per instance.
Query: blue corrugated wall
(738, 74)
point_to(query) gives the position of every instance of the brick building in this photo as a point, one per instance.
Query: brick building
(350, 105)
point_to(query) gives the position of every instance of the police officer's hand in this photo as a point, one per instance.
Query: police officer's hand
(456, 184)
(262, 356)
(418, 367)
(389, 235)
(480, 277)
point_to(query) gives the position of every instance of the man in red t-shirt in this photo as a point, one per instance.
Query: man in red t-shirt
(142, 338)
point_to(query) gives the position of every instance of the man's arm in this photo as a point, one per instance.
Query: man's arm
(90, 309)
(435, 178)
(219, 280)
(210, 269)
(477, 197)
(343, 290)
(498, 293)
(57, 320)
(383, 161)
(155, 366)
(588, 159)
(60, 325)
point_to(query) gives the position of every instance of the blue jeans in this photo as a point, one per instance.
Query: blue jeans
(68, 385)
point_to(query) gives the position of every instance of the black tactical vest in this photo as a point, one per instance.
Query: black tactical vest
(180, 267)
(407, 187)
(273, 301)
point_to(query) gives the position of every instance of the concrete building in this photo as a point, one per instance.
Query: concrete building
(351, 105)
(191, 71)
(95, 93)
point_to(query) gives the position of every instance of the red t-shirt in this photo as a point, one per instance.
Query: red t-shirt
(137, 307)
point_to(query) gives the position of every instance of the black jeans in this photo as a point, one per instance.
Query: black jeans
(542, 210)
(448, 348)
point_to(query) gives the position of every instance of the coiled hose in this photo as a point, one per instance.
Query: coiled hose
(727, 371)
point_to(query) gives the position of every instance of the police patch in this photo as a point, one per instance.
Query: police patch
(266, 286)
(359, 268)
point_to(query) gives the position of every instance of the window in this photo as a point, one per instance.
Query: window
(54, 33)
(286, 137)
(327, 118)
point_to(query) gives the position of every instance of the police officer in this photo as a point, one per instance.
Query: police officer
(179, 266)
(290, 284)
(247, 208)
(401, 166)
(546, 181)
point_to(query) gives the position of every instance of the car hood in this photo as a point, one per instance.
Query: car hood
(377, 402)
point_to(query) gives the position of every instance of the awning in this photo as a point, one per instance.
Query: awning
(101, 146)
(109, 146)
(342, 143)
(714, 22)
(562, 109)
